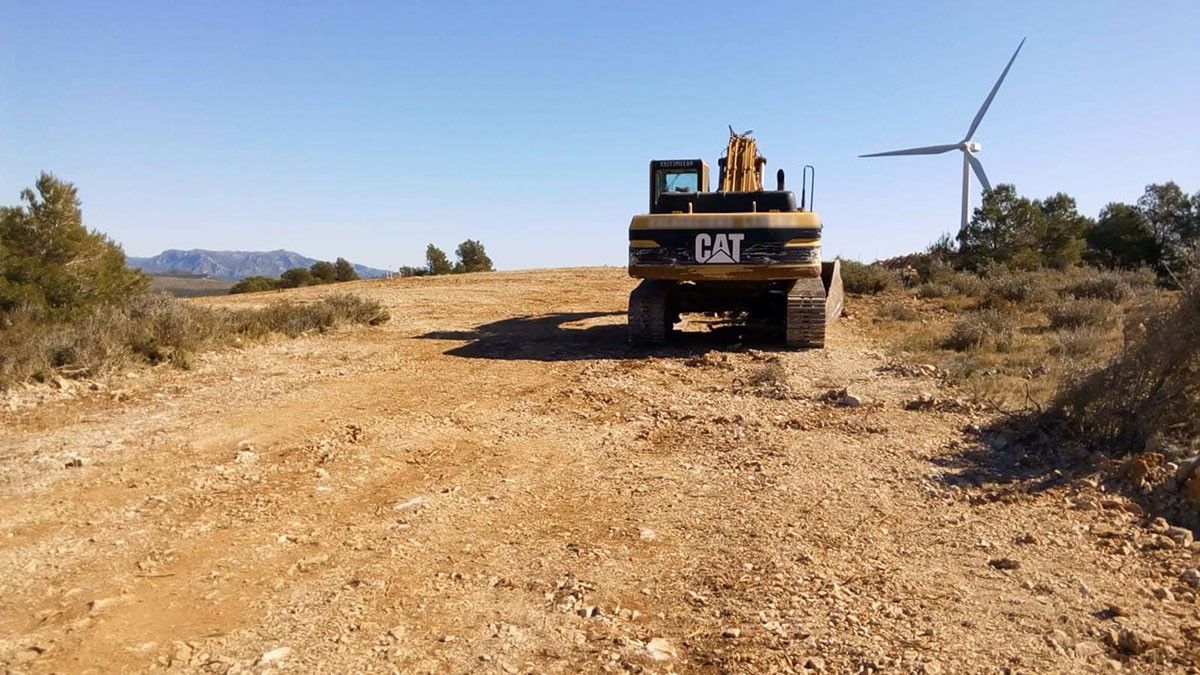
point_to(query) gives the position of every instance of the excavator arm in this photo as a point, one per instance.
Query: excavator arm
(741, 167)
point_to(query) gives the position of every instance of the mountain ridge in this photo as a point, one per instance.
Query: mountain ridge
(231, 265)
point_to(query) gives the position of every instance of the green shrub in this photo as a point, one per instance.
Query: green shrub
(1101, 285)
(866, 279)
(1024, 289)
(979, 329)
(1078, 313)
(255, 285)
(933, 289)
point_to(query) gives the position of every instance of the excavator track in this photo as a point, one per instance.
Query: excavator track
(648, 320)
(811, 304)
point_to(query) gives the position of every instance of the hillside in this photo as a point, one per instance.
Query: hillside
(231, 265)
(494, 481)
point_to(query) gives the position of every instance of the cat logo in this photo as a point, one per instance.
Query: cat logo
(719, 248)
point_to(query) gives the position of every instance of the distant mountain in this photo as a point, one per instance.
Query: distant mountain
(232, 265)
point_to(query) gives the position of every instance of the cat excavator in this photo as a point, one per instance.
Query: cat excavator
(746, 253)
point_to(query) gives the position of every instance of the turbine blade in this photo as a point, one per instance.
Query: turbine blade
(988, 101)
(927, 150)
(978, 167)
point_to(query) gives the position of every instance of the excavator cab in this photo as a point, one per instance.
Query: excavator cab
(677, 176)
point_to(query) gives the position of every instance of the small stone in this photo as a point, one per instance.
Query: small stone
(660, 649)
(1159, 525)
(931, 668)
(923, 401)
(647, 534)
(73, 463)
(731, 633)
(1088, 648)
(1163, 593)
(814, 663)
(1005, 563)
(275, 655)
(1181, 535)
(1191, 577)
(246, 457)
(849, 400)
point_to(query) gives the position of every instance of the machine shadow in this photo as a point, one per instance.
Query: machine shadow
(550, 337)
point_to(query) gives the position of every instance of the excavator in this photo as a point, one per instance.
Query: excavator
(742, 252)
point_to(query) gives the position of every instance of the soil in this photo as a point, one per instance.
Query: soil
(494, 481)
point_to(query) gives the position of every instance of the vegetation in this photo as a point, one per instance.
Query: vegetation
(51, 264)
(321, 272)
(69, 306)
(1159, 232)
(471, 258)
(436, 261)
(866, 279)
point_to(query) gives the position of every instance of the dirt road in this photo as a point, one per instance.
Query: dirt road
(494, 482)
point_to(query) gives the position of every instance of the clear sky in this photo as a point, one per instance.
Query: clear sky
(370, 129)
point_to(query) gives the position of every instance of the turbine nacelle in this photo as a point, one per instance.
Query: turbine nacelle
(971, 146)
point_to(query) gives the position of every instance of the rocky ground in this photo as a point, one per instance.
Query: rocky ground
(495, 482)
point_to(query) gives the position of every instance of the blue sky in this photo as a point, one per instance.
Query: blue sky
(367, 130)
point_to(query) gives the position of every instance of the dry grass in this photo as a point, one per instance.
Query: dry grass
(1066, 314)
(1009, 335)
(1149, 393)
(154, 329)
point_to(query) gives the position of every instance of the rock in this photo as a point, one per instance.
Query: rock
(1191, 577)
(275, 655)
(931, 668)
(1085, 649)
(731, 633)
(814, 663)
(660, 649)
(923, 401)
(1140, 467)
(410, 503)
(1004, 563)
(849, 400)
(1159, 525)
(1131, 642)
(1186, 468)
(73, 463)
(647, 534)
(1181, 535)
(246, 457)
(1163, 593)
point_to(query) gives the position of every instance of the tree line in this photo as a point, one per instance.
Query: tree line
(321, 272)
(1160, 231)
(471, 258)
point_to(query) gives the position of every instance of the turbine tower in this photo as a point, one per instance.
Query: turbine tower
(968, 146)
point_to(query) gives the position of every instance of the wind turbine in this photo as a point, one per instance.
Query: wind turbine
(968, 147)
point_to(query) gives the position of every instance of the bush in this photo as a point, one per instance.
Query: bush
(1079, 313)
(157, 329)
(1100, 285)
(1086, 341)
(898, 312)
(1016, 288)
(1151, 391)
(866, 279)
(255, 285)
(932, 289)
(979, 329)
